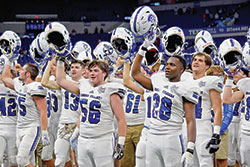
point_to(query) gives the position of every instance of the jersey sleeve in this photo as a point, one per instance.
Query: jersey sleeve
(37, 89)
(157, 79)
(242, 84)
(116, 88)
(191, 92)
(214, 82)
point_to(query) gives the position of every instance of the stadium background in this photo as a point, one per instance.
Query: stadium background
(93, 21)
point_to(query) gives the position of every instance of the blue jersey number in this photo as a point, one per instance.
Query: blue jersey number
(132, 103)
(162, 107)
(92, 112)
(247, 109)
(11, 110)
(75, 98)
(198, 109)
(21, 106)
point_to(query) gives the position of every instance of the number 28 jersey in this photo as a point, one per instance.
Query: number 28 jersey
(97, 118)
(168, 111)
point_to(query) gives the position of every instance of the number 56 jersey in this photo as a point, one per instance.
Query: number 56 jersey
(168, 111)
(97, 118)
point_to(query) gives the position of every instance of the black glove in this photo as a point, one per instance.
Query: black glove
(214, 143)
(119, 151)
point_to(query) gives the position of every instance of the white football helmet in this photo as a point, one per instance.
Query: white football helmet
(122, 40)
(10, 44)
(84, 56)
(81, 46)
(205, 35)
(248, 34)
(246, 55)
(206, 46)
(173, 41)
(143, 22)
(39, 49)
(230, 52)
(58, 38)
(152, 56)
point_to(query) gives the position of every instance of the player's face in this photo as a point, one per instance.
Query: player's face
(199, 64)
(23, 72)
(85, 72)
(53, 70)
(173, 69)
(96, 76)
(76, 70)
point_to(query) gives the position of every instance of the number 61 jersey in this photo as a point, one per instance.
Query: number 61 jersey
(168, 111)
(97, 118)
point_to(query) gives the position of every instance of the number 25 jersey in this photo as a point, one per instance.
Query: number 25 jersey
(168, 110)
(97, 118)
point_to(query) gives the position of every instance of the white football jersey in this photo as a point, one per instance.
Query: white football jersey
(244, 86)
(8, 105)
(54, 106)
(148, 106)
(28, 115)
(168, 112)
(204, 106)
(97, 115)
(134, 108)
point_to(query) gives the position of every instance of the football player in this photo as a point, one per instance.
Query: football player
(100, 101)
(172, 100)
(210, 90)
(32, 118)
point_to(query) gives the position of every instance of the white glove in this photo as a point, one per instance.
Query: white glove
(119, 148)
(45, 138)
(73, 138)
(187, 157)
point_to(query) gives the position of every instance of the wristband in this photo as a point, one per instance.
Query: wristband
(76, 130)
(190, 147)
(121, 140)
(9, 63)
(142, 51)
(217, 129)
(229, 82)
(44, 133)
(60, 63)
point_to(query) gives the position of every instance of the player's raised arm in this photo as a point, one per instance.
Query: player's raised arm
(136, 69)
(127, 80)
(61, 80)
(46, 82)
(7, 76)
(228, 96)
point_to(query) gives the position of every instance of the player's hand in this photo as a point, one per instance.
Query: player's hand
(45, 138)
(74, 137)
(214, 143)
(187, 159)
(119, 152)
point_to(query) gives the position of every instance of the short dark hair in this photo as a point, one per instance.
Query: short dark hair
(33, 70)
(74, 61)
(182, 61)
(101, 64)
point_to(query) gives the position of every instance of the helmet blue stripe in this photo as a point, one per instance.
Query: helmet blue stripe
(39, 46)
(204, 40)
(136, 18)
(231, 41)
(202, 32)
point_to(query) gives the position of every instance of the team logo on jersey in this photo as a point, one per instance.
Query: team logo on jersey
(101, 90)
(91, 91)
(174, 88)
(202, 84)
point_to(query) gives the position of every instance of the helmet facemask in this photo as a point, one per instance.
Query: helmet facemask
(57, 41)
(174, 43)
(120, 46)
